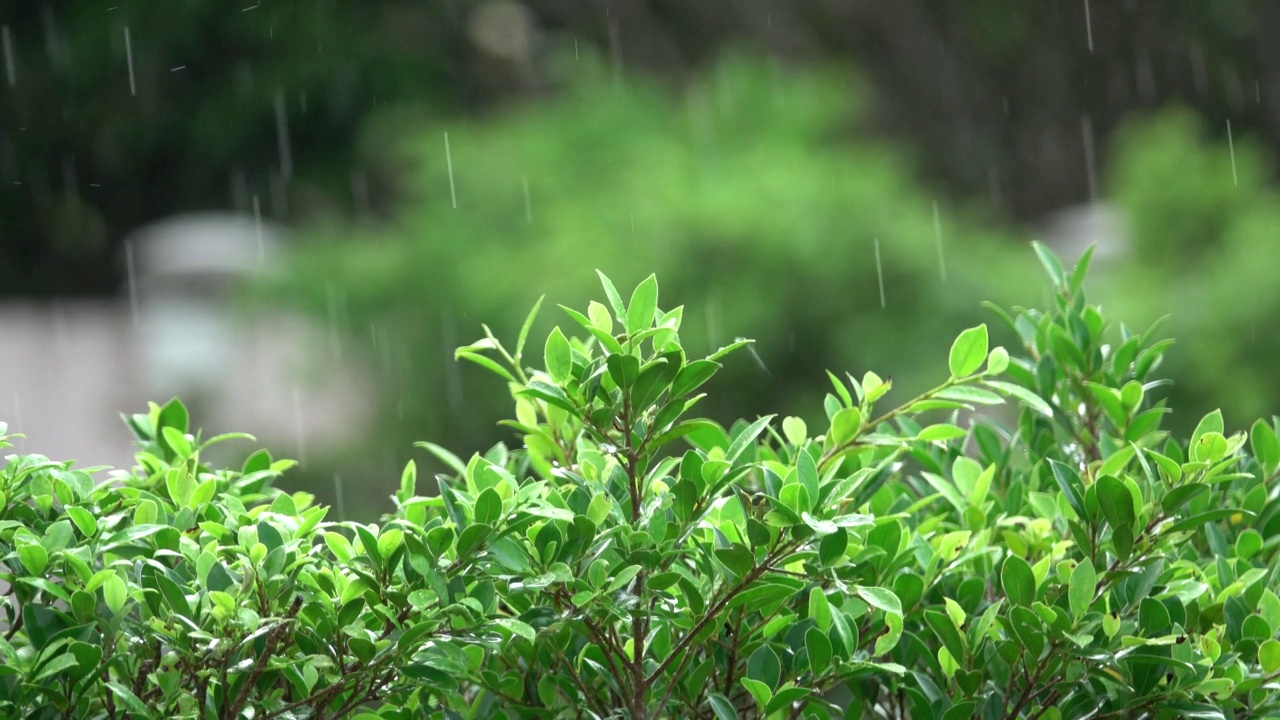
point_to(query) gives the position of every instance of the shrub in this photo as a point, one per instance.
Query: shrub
(633, 560)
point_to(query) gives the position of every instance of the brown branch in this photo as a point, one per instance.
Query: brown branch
(268, 650)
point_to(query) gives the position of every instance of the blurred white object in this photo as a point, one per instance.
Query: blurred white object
(71, 367)
(1072, 230)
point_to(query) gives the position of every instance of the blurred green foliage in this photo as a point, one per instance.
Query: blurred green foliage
(1202, 218)
(750, 192)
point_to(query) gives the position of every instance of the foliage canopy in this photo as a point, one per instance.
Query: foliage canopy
(634, 560)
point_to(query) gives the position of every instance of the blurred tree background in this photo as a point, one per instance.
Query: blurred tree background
(590, 133)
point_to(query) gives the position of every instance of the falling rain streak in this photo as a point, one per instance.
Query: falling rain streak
(257, 229)
(128, 54)
(10, 68)
(880, 274)
(528, 207)
(1090, 166)
(131, 279)
(1231, 148)
(282, 137)
(1088, 25)
(937, 233)
(448, 159)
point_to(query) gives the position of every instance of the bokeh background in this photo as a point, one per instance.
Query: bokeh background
(290, 213)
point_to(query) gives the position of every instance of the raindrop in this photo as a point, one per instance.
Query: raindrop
(880, 273)
(1088, 24)
(17, 411)
(937, 233)
(713, 321)
(338, 499)
(1231, 147)
(1198, 70)
(575, 48)
(128, 54)
(10, 69)
(759, 360)
(452, 371)
(257, 228)
(528, 208)
(176, 69)
(1257, 91)
(282, 137)
(131, 280)
(297, 426)
(448, 158)
(1145, 76)
(1086, 133)
(335, 339)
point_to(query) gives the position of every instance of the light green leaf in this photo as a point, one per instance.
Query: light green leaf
(524, 329)
(643, 305)
(1269, 656)
(558, 356)
(1081, 588)
(114, 593)
(968, 351)
(845, 425)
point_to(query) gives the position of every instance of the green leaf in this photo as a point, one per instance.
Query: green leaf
(1269, 656)
(125, 697)
(486, 363)
(558, 356)
(1266, 446)
(34, 558)
(764, 666)
(692, 376)
(746, 438)
(114, 593)
(946, 631)
(1195, 521)
(1018, 581)
(1029, 398)
(1050, 262)
(524, 329)
(795, 430)
(488, 508)
(845, 425)
(615, 300)
(818, 646)
(643, 305)
(759, 691)
(941, 432)
(960, 711)
(737, 558)
(623, 578)
(721, 706)
(180, 485)
(968, 352)
(1081, 588)
(55, 666)
(83, 519)
(448, 458)
(517, 628)
(599, 315)
(1115, 501)
(997, 361)
(819, 609)
(881, 598)
(550, 394)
